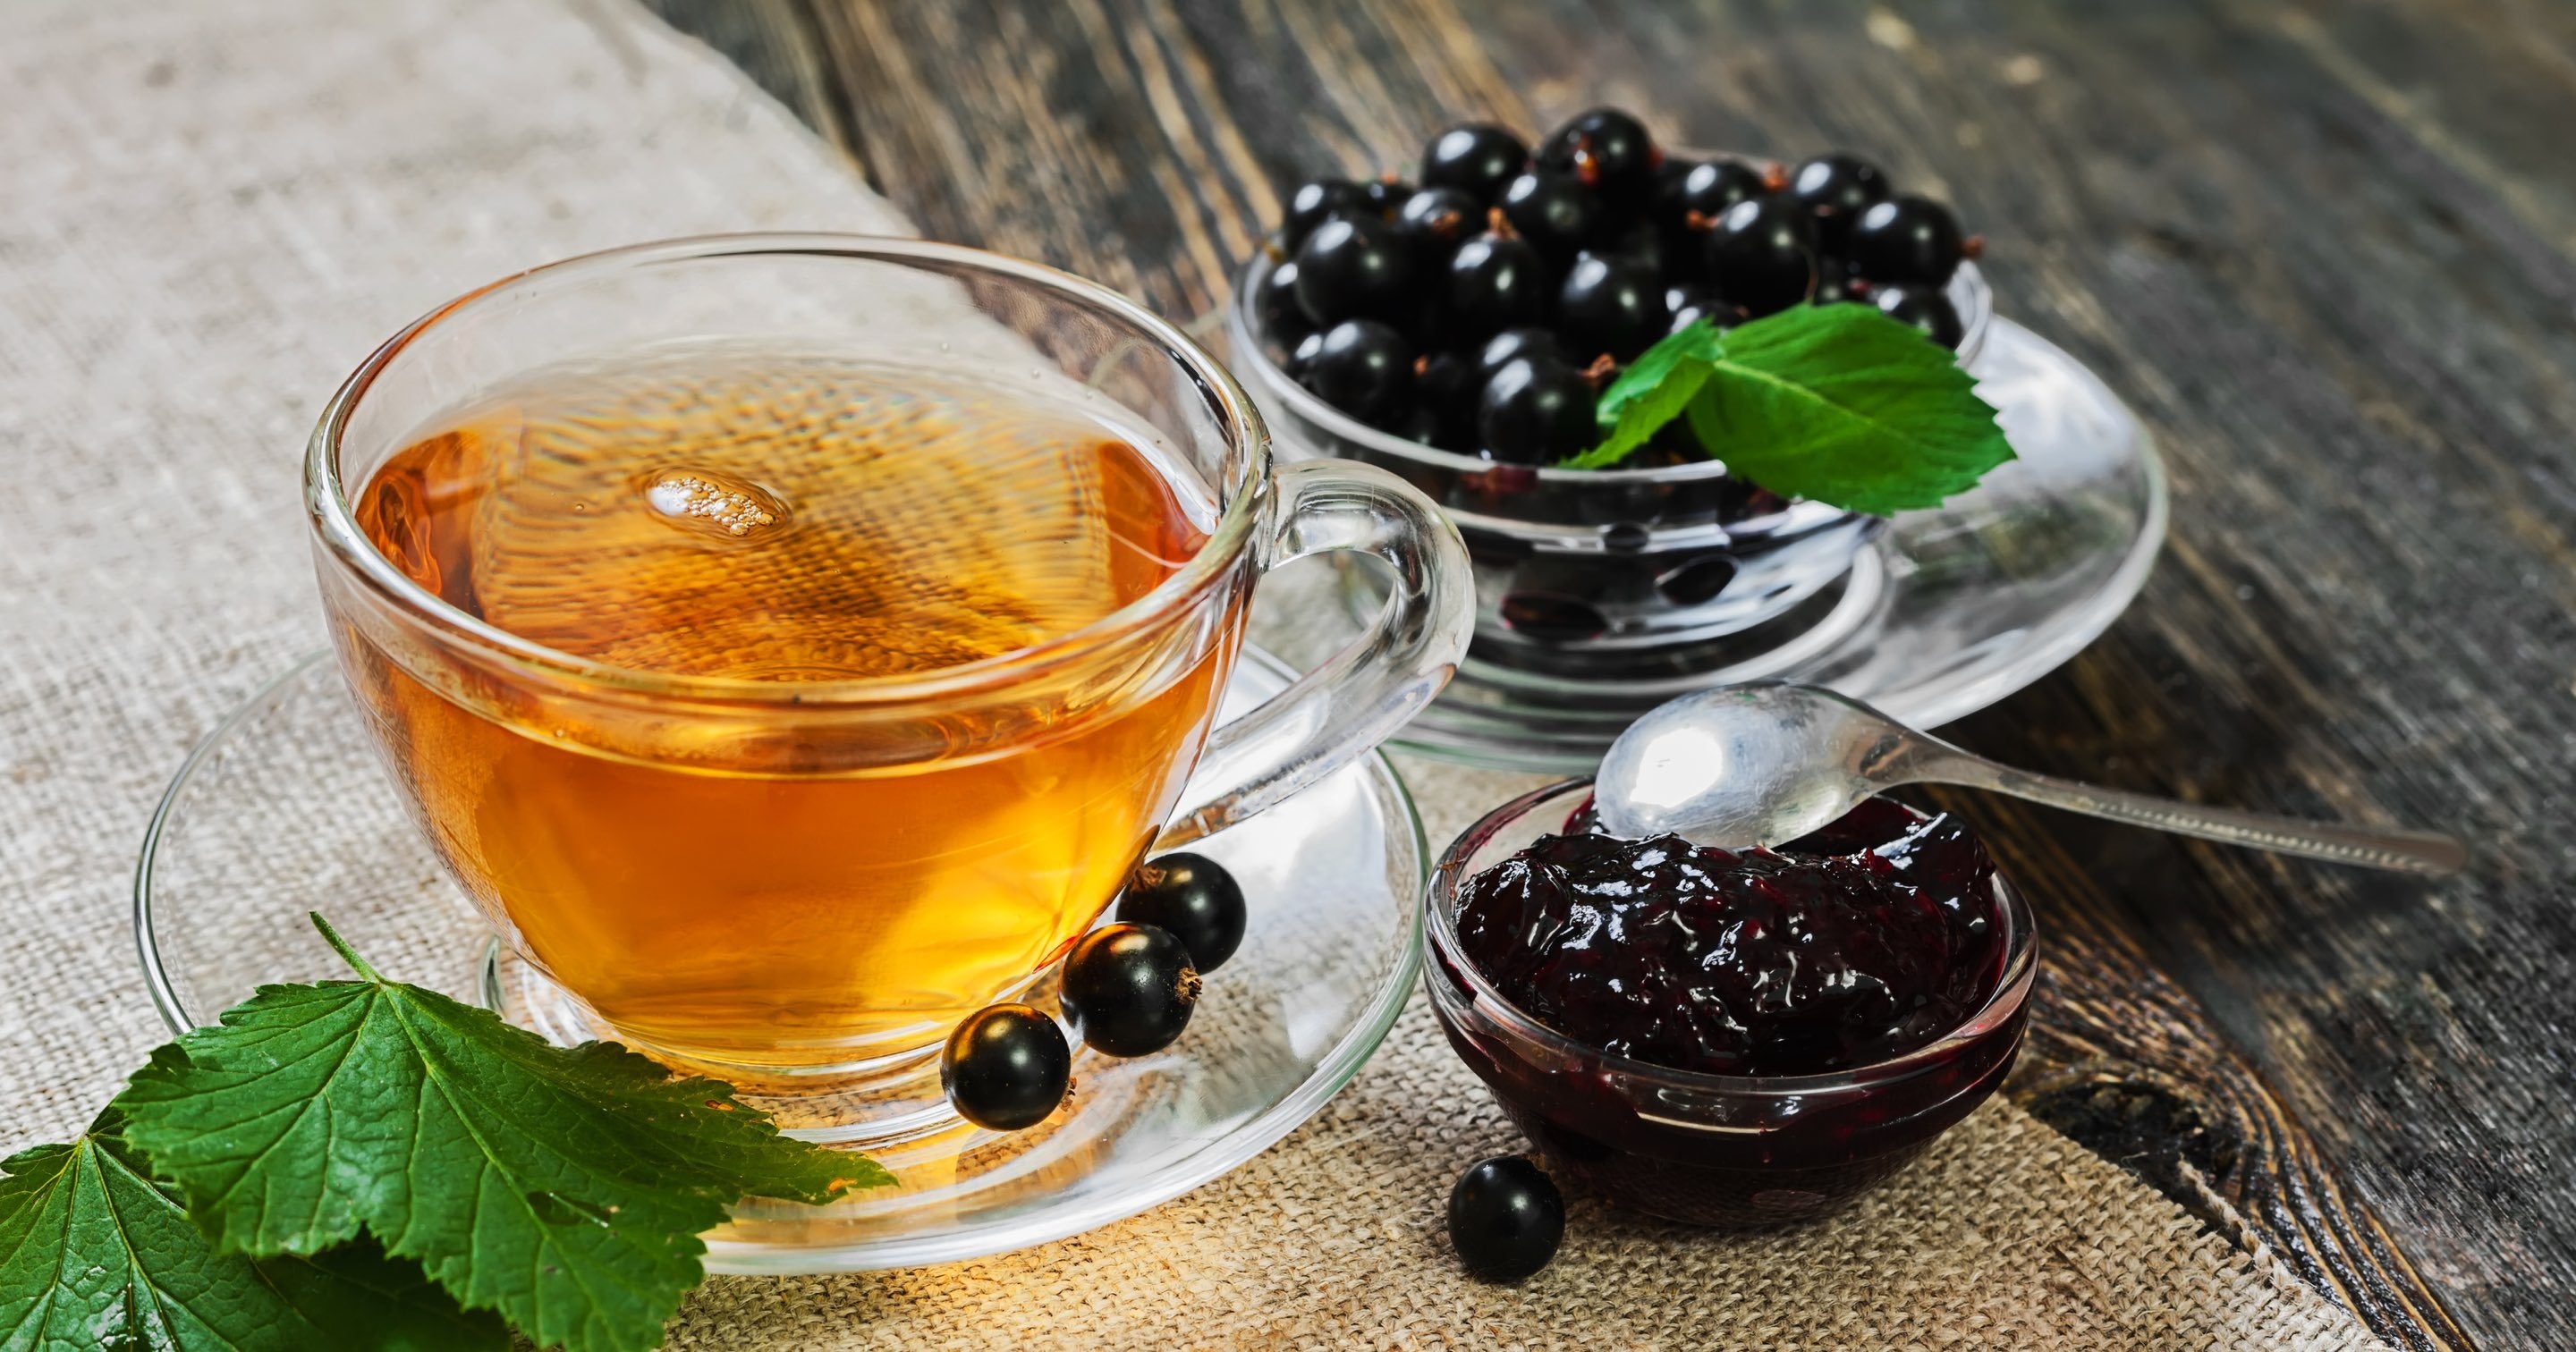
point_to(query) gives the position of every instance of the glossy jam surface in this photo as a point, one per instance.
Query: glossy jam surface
(1863, 942)
(1885, 933)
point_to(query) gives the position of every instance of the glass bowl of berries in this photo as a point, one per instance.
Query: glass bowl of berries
(1460, 331)
(1728, 1038)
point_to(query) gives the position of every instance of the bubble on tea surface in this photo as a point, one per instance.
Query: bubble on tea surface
(704, 500)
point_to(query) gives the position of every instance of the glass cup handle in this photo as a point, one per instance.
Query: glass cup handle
(1345, 707)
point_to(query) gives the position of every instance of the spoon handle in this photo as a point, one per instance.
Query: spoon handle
(2405, 851)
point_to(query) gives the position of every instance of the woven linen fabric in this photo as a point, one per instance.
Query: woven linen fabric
(215, 208)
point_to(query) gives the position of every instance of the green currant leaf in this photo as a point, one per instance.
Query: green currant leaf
(94, 1254)
(564, 1188)
(1843, 405)
(1651, 392)
(1836, 403)
(1700, 344)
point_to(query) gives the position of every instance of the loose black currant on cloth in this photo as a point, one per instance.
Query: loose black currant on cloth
(1505, 1219)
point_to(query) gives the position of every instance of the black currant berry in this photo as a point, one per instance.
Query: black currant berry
(1836, 286)
(1274, 304)
(1351, 268)
(1447, 384)
(1536, 411)
(1194, 899)
(1360, 366)
(1417, 422)
(1697, 304)
(1923, 307)
(1553, 211)
(1495, 282)
(1385, 195)
(1693, 196)
(1607, 151)
(1006, 1067)
(1645, 246)
(1315, 202)
(1129, 989)
(1907, 239)
(1500, 349)
(1762, 255)
(1505, 1219)
(1836, 189)
(1434, 220)
(1611, 304)
(1303, 354)
(1476, 159)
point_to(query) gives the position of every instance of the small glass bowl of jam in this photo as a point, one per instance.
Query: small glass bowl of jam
(1754, 1148)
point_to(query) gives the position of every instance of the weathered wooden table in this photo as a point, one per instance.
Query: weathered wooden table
(2327, 250)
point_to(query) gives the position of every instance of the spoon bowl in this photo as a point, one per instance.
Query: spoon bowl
(1768, 761)
(1745, 765)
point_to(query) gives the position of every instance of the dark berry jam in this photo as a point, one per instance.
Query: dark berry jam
(1826, 960)
(1863, 942)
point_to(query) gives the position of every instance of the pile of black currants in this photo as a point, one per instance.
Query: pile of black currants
(1129, 989)
(1483, 310)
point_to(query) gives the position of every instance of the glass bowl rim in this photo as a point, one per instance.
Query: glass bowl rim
(332, 520)
(1440, 936)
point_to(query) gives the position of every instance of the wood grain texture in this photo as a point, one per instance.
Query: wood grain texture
(2329, 253)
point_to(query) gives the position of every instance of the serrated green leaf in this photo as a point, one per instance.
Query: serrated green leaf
(94, 1254)
(1699, 343)
(1843, 405)
(565, 1188)
(1650, 393)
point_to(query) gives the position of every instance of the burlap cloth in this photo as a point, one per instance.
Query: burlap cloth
(210, 210)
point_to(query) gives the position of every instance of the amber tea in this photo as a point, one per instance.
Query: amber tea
(787, 521)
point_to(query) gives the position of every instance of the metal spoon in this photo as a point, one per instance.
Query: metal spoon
(1765, 762)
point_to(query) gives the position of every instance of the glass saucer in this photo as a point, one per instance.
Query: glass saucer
(1947, 612)
(285, 809)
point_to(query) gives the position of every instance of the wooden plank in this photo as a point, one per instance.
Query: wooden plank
(2325, 250)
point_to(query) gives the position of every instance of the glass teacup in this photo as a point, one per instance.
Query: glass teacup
(814, 868)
